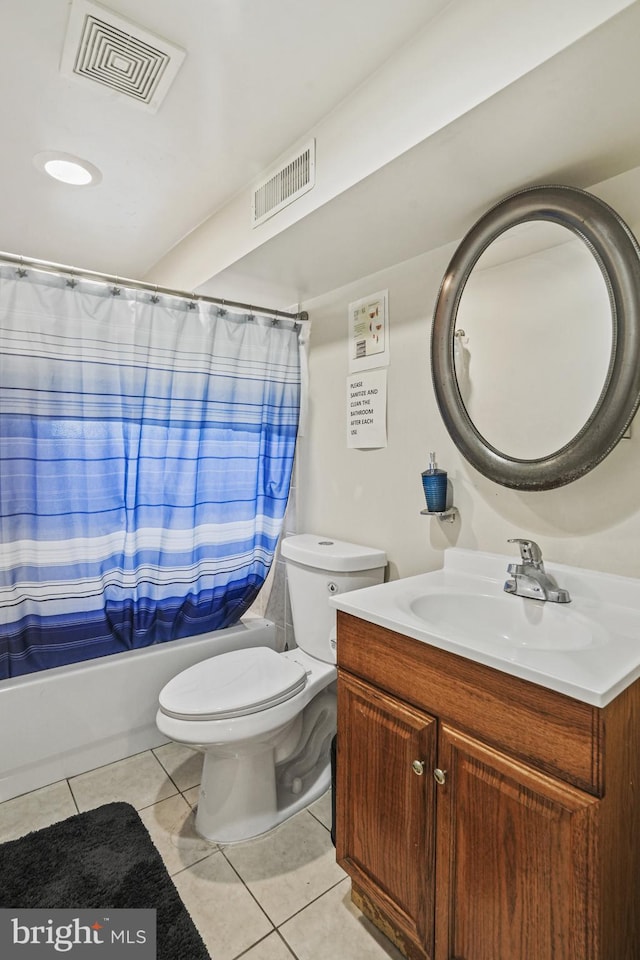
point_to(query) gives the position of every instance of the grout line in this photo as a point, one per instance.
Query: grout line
(73, 796)
(261, 940)
(180, 790)
(188, 866)
(145, 806)
(286, 944)
(103, 766)
(315, 900)
(322, 824)
(273, 926)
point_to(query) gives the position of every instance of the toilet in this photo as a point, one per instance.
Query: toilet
(265, 720)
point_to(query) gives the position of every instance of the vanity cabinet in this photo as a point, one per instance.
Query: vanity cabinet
(480, 816)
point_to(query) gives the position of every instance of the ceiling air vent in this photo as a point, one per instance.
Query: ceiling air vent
(284, 185)
(102, 47)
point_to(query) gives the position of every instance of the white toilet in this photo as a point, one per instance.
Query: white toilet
(265, 720)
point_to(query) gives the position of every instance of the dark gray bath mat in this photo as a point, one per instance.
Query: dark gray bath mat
(103, 858)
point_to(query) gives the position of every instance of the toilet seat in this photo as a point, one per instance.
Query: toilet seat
(233, 684)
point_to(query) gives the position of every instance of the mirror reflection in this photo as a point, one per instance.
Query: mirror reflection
(533, 339)
(545, 323)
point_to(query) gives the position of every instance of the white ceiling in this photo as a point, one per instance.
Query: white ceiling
(573, 120)
(257, 75)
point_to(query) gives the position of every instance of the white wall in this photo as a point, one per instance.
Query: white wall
(374, 497)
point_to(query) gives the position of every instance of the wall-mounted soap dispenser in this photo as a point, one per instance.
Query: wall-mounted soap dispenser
(434, 484)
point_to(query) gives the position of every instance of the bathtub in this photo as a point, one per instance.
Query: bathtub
(65, 721)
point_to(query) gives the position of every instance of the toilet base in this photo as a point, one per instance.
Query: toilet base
(228, 823)
(246, 795)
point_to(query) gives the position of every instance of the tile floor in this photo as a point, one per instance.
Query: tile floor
(273, 898)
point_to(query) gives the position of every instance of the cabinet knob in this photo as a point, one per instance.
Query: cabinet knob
(440, 776)
(418, 767)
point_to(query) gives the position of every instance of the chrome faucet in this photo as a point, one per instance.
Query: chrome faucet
(529, 578)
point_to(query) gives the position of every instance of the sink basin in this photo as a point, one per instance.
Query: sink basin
(504, 620)
(588, 649)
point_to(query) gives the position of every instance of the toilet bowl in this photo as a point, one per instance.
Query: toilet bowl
(265, 720)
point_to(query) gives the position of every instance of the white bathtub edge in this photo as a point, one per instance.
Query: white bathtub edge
(62, 722)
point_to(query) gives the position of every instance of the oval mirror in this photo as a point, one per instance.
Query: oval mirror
(535, 346)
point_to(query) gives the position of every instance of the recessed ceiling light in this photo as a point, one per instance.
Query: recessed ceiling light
(67, 168)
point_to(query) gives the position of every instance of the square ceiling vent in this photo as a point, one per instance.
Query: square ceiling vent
(102, 47)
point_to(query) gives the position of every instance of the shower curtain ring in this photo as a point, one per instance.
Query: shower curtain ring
(21, 272)
(192, 304)
(154, 298)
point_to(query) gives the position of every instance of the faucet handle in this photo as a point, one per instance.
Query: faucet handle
(529, 550)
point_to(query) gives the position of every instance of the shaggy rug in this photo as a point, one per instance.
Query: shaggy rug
(103, 858)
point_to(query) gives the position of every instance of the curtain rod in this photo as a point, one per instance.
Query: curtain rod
(49, 267)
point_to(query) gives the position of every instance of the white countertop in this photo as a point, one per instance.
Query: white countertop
(588, 649)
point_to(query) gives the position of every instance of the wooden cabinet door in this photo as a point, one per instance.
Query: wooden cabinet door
(385, 811)
(515, 854)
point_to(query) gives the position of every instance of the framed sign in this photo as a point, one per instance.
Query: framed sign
(369, 332)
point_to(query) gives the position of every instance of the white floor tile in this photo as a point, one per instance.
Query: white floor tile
(183, 764)
(321, 809)
(191, 796)
(272, 948)
(225, 913)
(289, 877)
(171, 826)
(35, 810)
(333, 927)
(140, 780)
(289, 867)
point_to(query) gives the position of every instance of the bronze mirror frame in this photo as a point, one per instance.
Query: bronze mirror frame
(617, 253)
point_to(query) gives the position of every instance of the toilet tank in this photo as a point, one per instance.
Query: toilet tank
(319, 568)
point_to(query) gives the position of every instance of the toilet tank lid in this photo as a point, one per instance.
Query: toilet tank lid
(325, 553)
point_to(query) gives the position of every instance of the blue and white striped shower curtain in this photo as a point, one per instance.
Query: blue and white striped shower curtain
(146, 451)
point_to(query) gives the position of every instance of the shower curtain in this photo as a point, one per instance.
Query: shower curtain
(146, 449)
